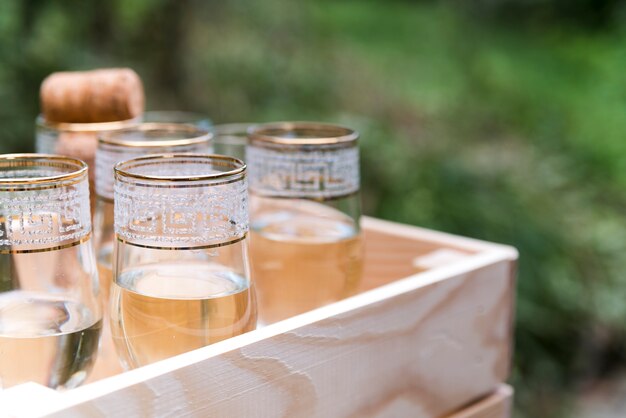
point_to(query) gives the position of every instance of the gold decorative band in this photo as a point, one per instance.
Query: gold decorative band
(76, 171)
(42, 123)
(123, 169)
(43, 250)
(179, 186)
(302, 134)
(49, 187)
(191, 135)
(200, 247)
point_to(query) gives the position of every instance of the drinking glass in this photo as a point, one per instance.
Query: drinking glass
(306, 248)
(231, 139)
(50, 316)
(181, 277)
(124, 144)
(178, 116)
(78, 140)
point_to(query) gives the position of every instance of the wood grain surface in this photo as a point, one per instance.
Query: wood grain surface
(430, 333)
(496, 405)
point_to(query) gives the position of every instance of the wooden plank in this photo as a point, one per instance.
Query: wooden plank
(496, 405)
(389, 257)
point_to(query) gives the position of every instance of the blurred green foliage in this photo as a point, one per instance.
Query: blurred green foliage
(472, 122)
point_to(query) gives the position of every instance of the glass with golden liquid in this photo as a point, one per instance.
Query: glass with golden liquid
(50, 314)
(124, 144)
(181, 273)
(306, 248)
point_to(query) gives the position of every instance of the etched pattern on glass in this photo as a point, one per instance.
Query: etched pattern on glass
(189, 216)
(44, 217)
(109, 155)
(44, 142)
(20, 172)
(317, 174)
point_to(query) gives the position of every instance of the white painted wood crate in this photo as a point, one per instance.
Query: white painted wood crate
(430, 333)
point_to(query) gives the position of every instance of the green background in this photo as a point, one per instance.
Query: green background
(501, 120)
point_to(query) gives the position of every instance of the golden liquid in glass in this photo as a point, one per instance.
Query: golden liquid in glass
(165, 309)
(105, 273)
(105, 236)
(301, 262)
(46, 340)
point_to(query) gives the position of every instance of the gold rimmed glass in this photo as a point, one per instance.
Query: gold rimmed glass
(50, 314)
(78, 140)
(181, 278)
(124, 144)
(232, 139)
(196, 119)
(306, 248)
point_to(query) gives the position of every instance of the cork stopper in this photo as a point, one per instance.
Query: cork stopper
(104, 95)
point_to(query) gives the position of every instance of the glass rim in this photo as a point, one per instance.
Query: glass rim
(232, 133)
(239, 167)
(336, 134)
(196, 135)
(87, 126)
(39, 160)
(195, 115)
(233, 129)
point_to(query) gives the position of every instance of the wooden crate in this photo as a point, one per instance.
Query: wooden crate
(496, 405)
(430, 333)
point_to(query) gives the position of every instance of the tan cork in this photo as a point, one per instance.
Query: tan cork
(103, 95)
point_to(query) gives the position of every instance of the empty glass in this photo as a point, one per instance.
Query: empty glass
(121, 145)
(306, 248)
(50, 316)
(231, 139)
(181, 274)
(178, 116)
